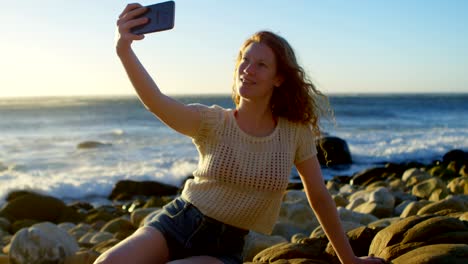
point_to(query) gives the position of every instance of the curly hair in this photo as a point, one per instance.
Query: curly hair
(297, 98)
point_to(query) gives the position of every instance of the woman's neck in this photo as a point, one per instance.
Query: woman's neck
(255, 119)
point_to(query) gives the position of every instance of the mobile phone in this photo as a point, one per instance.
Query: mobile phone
(160, 17)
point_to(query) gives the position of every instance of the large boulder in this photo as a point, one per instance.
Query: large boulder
(455, 155)
(435, 254)
(333, 151)
(126, 189)
(414, 232)
(393, 234)
(38, 207)
(42, 243)
(312, 248)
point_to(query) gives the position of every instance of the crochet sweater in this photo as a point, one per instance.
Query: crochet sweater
(241, 179)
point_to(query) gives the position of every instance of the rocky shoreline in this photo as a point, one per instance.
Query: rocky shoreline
(406, 213)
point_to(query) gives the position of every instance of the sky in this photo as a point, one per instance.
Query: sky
(64, 48)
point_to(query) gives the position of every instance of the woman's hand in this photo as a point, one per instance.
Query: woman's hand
(126, 21)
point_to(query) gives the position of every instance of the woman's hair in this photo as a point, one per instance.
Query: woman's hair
(297, 98)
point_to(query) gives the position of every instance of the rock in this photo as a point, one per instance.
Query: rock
(20, 224)
(333, 187)
(382, 223)
(348, 189)
(383, 197)
(415, 232)
(256, 242)
(33, 206)
(5, 224)
(42, 243)
(82, 257)
(85, 240)
(92, 144)
(347, 226)
(100, 237)
(118, 224)
(368, 176)
(459, 185)
(333, 151)
(427, 229)
(293, 196)
(360, 240)
(138, 215)
(295, 216)
(393, 234)
(450, 205)
(126, 189)
(80, 230)
(312, 249)
(413, 207)
(440, 253)
(106, 245)
(380, 203)
(464, 171)
(339, 200)
(426, 188)
(455, 155)
(351, 216)
(66, 226)
(105, 213)
(401, 207)
(411, 173)
(157, 201)
(442, 172)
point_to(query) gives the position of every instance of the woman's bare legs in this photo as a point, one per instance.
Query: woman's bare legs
(146, 246)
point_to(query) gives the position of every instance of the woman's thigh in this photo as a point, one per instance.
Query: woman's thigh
(146, 245)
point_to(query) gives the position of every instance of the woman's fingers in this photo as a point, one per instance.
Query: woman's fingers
(128, 8)
(124, 17)
(127, 25)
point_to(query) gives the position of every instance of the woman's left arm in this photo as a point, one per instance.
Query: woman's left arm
(325, 209)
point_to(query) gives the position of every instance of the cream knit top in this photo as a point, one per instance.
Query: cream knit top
(241, 179)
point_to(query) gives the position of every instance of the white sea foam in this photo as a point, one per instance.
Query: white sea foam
(38, 145)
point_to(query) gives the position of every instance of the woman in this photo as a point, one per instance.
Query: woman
(246, 156)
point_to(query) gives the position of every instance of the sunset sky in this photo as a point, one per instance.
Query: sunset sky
(56, 48)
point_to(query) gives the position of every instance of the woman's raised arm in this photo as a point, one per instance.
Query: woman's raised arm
(178, 116)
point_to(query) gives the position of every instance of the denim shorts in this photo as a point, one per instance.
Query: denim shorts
(188, 232)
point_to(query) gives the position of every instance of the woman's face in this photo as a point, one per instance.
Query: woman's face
(256, 74)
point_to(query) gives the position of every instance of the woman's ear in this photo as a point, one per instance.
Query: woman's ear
(279, 80)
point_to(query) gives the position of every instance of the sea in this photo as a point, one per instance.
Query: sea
(39, 139)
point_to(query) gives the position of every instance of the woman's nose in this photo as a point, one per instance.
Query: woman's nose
(249, 69)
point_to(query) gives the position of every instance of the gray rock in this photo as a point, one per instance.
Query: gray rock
(256, 242)
(42, 243)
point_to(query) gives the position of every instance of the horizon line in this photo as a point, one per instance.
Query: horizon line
(223, 94)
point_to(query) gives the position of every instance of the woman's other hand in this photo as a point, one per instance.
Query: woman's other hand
(124, 37)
